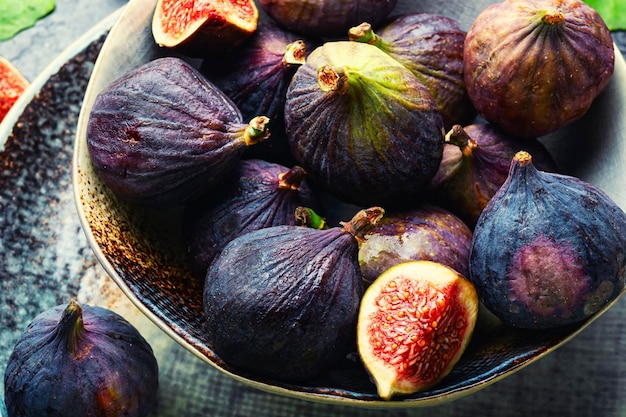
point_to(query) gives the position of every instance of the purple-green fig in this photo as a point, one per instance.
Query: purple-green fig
(326, 18)
(257, 194)
(282, 302)
(162, 135)
(534, 66)
(363, 126)
(79, 360)
(475, 163)
(548, 250)
(426, 233)
(431, 46)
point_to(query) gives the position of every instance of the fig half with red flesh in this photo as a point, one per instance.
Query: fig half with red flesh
(415, 322)
(197, 27)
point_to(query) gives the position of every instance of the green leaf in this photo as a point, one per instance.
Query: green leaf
(17, 15)
(613, 12)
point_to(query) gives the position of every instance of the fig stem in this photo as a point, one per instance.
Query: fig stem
(523, 158)
(291, 179)
(363, 33)
(295, 53)
(553, 18)
(307, 217)
(458, 136)
(330, 79)
(71, 326)
(257, 130)
(363, 221)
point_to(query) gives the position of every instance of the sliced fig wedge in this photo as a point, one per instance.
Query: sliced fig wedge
(198, 27)
(414, 323)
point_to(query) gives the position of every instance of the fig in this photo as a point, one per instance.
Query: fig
(363, 126)
(426, 232)
(256, 195)
(560, 252)
(431, 46)
(534, 66)
(282, 302)
(162, 135)
(256, 77)
(475, 164)
(197, 28)
(12, 85)
(326, 18)
(414, 324)
(81, 360)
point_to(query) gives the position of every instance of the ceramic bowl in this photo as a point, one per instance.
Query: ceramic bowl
(140, 249)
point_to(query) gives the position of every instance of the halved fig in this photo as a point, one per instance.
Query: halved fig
(415, 322)
(197, 27)
(12, 85)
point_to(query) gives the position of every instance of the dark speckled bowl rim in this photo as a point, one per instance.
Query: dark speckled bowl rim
(327, 395)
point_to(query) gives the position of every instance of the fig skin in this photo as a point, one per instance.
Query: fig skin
(326, 18)
(195, 28)
(560, 252)
(80, 360)
(475, 164)
(426, 232)
(415, 322)
(431, 46)
(282, 302)
(162, 135)
(256, 77)
(363, 126)
(256, 195)
(510, 40)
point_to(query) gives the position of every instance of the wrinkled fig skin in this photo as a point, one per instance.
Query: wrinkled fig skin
(282, 302)
(509, 41)
(425, 233)
(60, 369)
(326, 18)
(161, 135)
(548, 249)
(378, 141)
(475, 163)
(256, 77)
(431, 46)
(256, 195)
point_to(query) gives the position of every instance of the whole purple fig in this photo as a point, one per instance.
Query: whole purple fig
(326, 18)
(475, 163)
(256, 76)
(282, 302)
(80, 361)
(161, 135)
(426, 232)
(363, 126)
(548, 250)
(534, 66)
(256, 195)
(431, 46)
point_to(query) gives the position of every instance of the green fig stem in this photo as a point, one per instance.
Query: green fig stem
(553, 18)
(458, 136)
(257, 130)
(71, 326)
(291, 179)
(331, 79)
(363, 221)
(295, 53)
(307, 217)
(363, 33)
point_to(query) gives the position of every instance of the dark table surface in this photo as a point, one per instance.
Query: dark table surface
(585, 377)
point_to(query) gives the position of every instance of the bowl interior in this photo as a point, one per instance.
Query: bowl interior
(140, 248)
